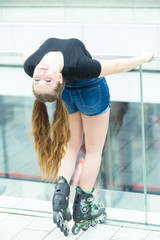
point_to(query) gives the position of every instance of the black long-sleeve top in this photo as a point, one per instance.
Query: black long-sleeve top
(78, 63)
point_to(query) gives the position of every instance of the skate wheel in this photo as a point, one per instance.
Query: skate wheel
(66, 232)
(104, 217)
(59, 224)
(62, 228)
(93, 224)
(75, 229)
(86, 226)
(55, 217)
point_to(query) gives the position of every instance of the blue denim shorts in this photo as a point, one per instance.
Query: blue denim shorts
(90, 97)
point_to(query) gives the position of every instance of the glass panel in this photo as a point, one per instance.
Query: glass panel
(20, 174)
(18, 159)
(121, 170)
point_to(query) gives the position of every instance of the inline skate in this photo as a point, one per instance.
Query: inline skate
(61, 213)
(85, 213)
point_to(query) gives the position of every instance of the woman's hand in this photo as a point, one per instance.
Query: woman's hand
(148, 56)
(124, 65)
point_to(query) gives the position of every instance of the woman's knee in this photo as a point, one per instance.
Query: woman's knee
(75, 145)
(94, 152)
(76, 128)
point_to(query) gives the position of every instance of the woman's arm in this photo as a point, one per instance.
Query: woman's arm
(124, 65)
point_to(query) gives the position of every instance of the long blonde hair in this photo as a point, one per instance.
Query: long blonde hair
(50, 141)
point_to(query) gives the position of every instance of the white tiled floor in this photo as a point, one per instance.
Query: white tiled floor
(153, 236)
(36, 205)
(40, 223)
(9, 202)
(26, 225)
(11, 227)
(30, 234)
(3, 216)
(100, 232)
(131, 234)
(18, 227)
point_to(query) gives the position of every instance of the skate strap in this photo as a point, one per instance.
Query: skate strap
(61, 179)
(92, 208)
(93, 189)
(79, 189)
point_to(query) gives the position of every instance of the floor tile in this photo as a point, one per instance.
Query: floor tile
(26, 212)
(9, 228)
(130, 234)
(42, 223)
(125, 215)
(154, 218)
(58, 235)
(99, 232)
(28, 234)
(3, 216)
(21, 218)
(153, 236)
(9, 201)
(35, 205)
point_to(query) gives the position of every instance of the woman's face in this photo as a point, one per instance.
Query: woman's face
(45, 79)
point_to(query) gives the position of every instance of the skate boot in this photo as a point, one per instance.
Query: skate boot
(61, 213)
(85, 213)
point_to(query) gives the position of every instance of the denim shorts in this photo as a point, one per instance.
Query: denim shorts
(90, 97)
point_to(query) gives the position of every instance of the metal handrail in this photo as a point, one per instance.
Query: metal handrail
(96, 56)
(118, 6)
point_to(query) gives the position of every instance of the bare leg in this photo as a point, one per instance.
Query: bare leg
(68, 162)
(95, 130)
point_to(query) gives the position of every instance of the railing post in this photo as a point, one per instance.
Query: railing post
(143, 145)
(4, 143)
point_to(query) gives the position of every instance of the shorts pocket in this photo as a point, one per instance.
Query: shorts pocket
(90, 98)
(107, 88)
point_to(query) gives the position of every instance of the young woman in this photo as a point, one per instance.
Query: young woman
(64, 71)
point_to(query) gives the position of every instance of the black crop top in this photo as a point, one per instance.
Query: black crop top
(78, 63)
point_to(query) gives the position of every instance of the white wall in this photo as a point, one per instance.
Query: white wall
(99, 39)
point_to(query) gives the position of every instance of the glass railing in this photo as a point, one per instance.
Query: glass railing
(128, 182)
(64, 11)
